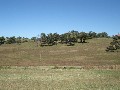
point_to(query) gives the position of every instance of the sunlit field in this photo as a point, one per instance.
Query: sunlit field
(81, 67)
(28, 54)
(50, 78)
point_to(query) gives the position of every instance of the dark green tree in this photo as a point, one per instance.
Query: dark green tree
(2, 40)
(11, 40)
(34, 38)
(56, 37)
(101, 35)
(92, 34)
(74, 35)
(50, 39)
(63, 38)
(18, 40)
(43, 39)
(82, 36)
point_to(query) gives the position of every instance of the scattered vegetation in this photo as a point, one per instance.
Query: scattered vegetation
(5, 67)
(27, 54)
(114, 45)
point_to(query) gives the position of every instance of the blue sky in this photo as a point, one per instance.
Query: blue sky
(29, 18)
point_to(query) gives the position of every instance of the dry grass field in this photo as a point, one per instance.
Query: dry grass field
(80, 67)
(27, 54)
(47, 78)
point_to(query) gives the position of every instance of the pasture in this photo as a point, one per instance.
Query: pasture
(81, 67)
(27, 54)
(48, 78)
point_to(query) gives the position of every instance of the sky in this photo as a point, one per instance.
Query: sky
(29, 18)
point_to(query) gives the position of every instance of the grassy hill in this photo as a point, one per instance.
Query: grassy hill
(91, 53)
(80, 67)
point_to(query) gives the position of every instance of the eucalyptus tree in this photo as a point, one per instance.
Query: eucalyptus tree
(56, 38)
(24, 39)
(92, 34)
(18, 40)
(43, 39)
(74, 35)
(2, 40)
(11, 40)
(50, 39)
(82, 36)
(114, 45)
(70, 39)
(34, 38)
(63, 38)
(103, 34)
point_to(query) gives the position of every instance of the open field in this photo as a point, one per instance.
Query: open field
(27, 54)
(48, 78)
(80, 67)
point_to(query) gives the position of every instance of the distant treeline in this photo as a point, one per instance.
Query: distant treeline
(69, 38)
(13, 40)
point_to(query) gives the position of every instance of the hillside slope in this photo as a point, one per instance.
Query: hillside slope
(91, 53)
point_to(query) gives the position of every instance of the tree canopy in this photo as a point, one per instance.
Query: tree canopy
(69, 38)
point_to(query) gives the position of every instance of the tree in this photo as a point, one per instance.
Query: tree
(2, 40)
(50, 39)
(115, 37)
(103, 34)
(34, 38)
(18, 40)
(114, 45)
(82, 36)
(43, 39)
(56, 37)
(74, 35)
(24, 39)
(92, 34)
(63, 38)
(11, 40)
(70, 39)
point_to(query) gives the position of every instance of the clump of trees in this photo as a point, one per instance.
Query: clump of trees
(69, 38)
(12, 40)
(114, 45)
(2, 40)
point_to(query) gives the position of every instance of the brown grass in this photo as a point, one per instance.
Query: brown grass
(88, 54)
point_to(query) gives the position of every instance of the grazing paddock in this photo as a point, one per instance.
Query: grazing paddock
(80, 67)
(50, 78)
(91, 53)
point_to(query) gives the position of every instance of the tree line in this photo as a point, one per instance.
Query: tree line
(69, 38)
(12, 40)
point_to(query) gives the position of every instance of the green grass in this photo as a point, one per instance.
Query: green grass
(46, 78)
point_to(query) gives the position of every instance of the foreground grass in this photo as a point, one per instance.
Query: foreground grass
(47, 78)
